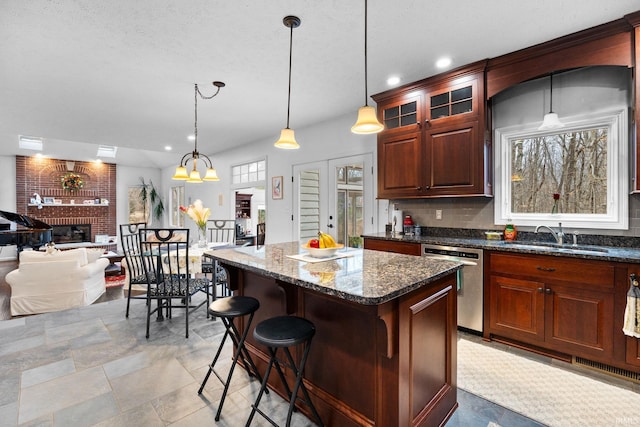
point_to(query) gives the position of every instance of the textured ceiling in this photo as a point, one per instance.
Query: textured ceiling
(121, 72)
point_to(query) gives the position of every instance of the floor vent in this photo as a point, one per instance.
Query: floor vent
(608, 369)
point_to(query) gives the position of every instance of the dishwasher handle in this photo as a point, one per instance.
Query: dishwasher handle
(449, 258)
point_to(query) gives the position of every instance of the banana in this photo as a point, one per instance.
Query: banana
(326, 241)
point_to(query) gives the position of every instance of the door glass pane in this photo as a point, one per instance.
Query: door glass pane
(309, 204)
(341, 202)
(350, 206)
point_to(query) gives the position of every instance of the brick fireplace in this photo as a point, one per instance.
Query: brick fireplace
(43, 176)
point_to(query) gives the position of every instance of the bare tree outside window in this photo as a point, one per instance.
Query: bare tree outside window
(564, 172)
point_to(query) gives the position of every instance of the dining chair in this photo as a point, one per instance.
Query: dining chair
(135, 273)
(169, 282)
(220, 231)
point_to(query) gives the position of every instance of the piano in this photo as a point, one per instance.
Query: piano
(31, 232)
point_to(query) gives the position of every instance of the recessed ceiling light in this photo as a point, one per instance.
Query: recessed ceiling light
(191, 137)
(107, 151)
(393, 80)
(443, 62)
(167, 148)
(30, 142)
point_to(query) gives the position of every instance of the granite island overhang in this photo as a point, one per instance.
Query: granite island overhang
(385, 347)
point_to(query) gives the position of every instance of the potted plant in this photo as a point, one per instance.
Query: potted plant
(150, 195)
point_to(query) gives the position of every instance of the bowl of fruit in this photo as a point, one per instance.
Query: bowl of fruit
(322, 247)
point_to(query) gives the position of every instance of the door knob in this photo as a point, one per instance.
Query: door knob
(330, 225)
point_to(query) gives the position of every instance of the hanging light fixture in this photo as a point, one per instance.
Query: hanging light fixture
(287, 138)
(367, 121)
(551, 120)
(194, 175)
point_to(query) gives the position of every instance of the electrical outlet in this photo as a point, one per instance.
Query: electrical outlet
(438, 213)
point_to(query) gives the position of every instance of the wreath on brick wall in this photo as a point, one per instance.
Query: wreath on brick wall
(72, 182)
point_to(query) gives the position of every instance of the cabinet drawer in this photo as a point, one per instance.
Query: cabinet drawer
(406, 248)
(580, 272)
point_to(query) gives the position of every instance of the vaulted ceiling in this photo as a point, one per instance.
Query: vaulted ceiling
(120, 72)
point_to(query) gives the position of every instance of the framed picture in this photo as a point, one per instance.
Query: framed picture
(276, 187)
(48, 200)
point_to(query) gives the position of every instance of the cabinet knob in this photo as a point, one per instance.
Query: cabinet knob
(419, 125)
(426, 187)
(548, 269)
(548, 291)
(540, 290)
(418, 188)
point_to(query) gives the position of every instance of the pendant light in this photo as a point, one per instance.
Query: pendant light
(551, 120)
(367, 121)
(287, 139)
(194, 176)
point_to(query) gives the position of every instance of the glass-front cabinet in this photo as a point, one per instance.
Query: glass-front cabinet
(434, 144)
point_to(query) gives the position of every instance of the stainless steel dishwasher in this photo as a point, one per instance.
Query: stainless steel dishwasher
(470, 285)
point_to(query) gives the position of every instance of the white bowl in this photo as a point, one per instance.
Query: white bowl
(322, 252)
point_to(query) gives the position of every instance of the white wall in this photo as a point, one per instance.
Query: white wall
(8, 199)
(328, 140)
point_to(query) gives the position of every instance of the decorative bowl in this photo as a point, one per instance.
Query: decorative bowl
(322, 252)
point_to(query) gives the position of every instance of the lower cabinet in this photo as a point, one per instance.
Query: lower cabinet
(561, 304)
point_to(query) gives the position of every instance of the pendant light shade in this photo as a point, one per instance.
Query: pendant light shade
(287, 139)
(551, 120)
(367, 121)
(194, 177)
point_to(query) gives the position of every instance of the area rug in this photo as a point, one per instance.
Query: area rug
(545, 393)
(115, 281)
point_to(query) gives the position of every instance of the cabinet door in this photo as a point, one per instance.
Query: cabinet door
(454, 160)
(402, 114)
(517, 308)
(399, 172)
(579, 321)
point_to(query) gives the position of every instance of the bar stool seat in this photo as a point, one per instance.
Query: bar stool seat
(284, 332)
(228, 309)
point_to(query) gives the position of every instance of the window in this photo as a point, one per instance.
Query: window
(177, 200)
(248, 172)
(138, 210)
(577, 175)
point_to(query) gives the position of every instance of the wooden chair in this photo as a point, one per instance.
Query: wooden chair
(130, 241)
(166, 265)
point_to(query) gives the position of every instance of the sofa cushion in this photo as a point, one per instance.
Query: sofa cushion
(79, 255)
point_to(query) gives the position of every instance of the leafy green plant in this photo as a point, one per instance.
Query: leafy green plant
(151, 197)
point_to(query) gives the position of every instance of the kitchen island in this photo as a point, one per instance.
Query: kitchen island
(384, 352)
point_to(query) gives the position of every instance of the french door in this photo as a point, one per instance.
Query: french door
(336, 197)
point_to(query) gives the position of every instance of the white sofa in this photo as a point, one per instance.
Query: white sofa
(46, 282)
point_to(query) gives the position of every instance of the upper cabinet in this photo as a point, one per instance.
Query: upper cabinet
(434, 143)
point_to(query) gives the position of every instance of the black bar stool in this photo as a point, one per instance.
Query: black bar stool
(284, 332)
(228, 309)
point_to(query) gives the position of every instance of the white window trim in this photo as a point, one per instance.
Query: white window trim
(617, 217)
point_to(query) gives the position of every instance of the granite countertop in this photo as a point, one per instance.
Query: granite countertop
(362, 276)
(596, 252)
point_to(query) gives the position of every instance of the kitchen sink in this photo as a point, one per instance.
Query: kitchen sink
(566, 248)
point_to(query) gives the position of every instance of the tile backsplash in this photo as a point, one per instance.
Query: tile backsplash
(477, 213)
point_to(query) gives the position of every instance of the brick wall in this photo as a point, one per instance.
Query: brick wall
(43, 176)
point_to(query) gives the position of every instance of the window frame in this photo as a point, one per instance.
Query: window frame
(617, 216)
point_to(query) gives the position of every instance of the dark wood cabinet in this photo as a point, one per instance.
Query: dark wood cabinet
(243, 205)
(406, 248)
(434, 142)
(561, 304)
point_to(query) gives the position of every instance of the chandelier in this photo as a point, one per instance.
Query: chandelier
(194, 156)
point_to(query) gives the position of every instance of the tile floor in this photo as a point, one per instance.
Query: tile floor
(91, 366)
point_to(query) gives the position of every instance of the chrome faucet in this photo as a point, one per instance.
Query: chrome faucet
(558, 235)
